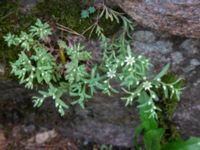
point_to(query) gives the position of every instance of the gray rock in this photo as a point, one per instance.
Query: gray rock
(163, 35)
(144, 36)
(195, 62)
(197, 82)
(177, 58)
(191, 46)
(105, 119)
(188, 69)
(192, 65)
(163, 47)
(186, 116)
(165, 15)
(185, 59)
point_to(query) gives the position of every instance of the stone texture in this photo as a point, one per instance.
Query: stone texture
(105, 119)
(161, 46)
(194, 62)
(190, 45)
(173, 16)
(144, 36)
(177, 58)
(184, 59)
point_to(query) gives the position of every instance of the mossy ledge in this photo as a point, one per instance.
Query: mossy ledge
(66, 12)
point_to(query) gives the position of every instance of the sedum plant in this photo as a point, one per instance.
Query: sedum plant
(66, 69)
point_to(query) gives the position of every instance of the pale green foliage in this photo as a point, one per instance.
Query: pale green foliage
(35, 65)
(110, 14)
(193, 143)
(87, 12)
(54, 92)
(132, 72)
(41, 30)
(38, 66)
(105, 147)
(10, 39)
(84, 14)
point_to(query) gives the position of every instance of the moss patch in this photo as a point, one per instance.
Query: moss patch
(168, 107)
(11, 20)
(68, 13)
(65, 12)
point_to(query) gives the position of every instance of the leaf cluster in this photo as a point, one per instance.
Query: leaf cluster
(36, 65)
(153, 134)
(87, 12)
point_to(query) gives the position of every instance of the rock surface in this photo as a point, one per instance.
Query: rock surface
(105, 119)
(173, 16)
(184, 57)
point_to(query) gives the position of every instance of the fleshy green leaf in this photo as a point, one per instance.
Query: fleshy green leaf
(191, 144)
(163, 72)
(152, 139)
(91, 9)
(84, 14)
